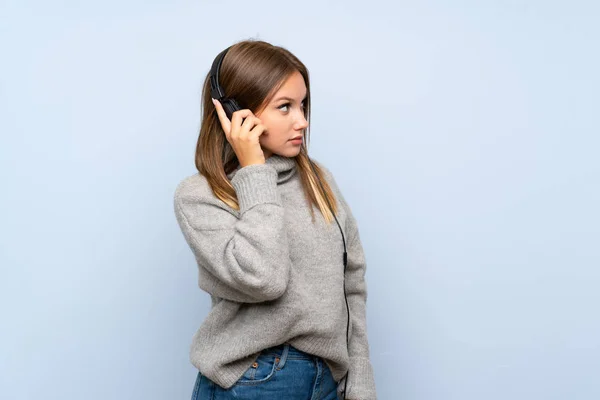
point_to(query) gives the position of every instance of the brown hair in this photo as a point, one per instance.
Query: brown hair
(252, 72)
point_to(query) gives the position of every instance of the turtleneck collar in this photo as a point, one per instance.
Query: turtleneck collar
(285, 167)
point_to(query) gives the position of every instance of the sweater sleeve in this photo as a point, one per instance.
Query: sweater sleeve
(246, 257)
(361, 382)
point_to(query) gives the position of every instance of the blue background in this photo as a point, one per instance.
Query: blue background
(464, 135)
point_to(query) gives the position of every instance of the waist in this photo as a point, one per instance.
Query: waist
(288, 351)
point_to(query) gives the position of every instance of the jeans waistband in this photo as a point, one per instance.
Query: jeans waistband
(288, 351)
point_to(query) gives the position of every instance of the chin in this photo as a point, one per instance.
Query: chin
(291, 151)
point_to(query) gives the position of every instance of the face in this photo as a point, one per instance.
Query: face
(283, 118)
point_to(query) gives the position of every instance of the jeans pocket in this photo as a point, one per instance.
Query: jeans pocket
(262, 370)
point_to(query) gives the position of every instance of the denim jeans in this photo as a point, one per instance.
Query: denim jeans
(280, 372)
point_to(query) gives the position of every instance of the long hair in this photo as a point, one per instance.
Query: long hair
(251, 72)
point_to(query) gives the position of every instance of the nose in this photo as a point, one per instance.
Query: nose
(301, 122)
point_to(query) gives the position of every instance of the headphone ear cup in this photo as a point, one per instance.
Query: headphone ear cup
(230, 106)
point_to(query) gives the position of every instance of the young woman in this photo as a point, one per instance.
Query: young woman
(281, 287)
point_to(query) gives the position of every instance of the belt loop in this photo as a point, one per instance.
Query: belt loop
(284, 354)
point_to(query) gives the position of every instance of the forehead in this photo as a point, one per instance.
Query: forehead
(293, 87)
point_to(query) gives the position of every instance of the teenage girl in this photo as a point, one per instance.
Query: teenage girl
(276, 244)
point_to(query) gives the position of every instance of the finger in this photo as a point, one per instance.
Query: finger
(258, 130)
(249, 124)
(236, 120)
(225, 122)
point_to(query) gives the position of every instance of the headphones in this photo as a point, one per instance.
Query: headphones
(230, 106)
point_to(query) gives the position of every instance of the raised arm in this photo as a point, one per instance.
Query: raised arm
(243, 258)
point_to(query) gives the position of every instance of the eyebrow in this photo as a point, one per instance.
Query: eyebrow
(289, 98)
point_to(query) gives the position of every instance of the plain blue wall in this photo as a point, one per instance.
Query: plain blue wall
(464, 135)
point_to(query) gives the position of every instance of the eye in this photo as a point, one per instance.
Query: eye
(288, 104)
(283, 105)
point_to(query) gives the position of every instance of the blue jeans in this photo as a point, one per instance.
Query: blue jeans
(280, 372)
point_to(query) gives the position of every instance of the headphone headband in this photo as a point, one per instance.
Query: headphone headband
(216, 91)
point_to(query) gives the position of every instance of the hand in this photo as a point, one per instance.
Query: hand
(243, 137)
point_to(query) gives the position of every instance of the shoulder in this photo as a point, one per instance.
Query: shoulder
(195, 186)
(326, 171)
(323, 167)
(328, 175)
(194, 195)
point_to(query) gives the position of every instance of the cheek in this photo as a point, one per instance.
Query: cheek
(274, 128)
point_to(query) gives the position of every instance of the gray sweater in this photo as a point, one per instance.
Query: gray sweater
(274, 276)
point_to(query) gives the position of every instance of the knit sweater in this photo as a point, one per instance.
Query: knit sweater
(274, 276)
